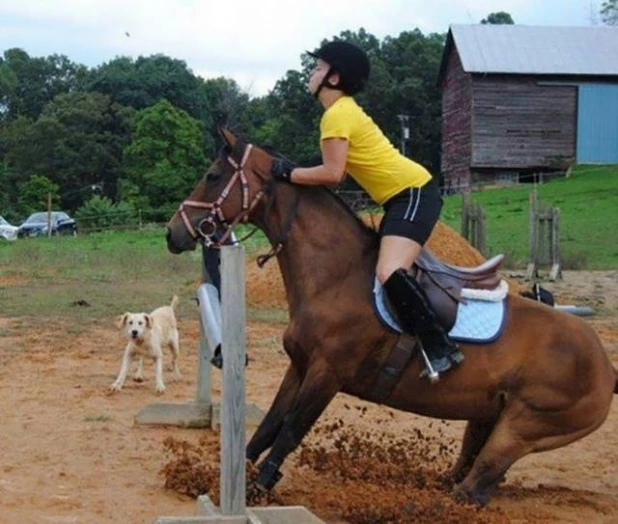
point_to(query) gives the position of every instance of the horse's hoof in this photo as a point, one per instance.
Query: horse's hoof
(269, 475)
(460, 495)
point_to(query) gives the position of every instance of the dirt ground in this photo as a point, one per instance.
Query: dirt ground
(71, 453)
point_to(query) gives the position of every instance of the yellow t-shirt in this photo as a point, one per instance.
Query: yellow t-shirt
(372, 160)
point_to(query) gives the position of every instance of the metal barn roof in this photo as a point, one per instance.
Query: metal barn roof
(519, 49)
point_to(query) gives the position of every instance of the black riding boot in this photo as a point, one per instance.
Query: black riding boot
(417, 317)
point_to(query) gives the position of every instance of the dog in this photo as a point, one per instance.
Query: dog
(148, 334)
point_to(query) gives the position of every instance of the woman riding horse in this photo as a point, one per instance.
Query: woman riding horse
(544, 383)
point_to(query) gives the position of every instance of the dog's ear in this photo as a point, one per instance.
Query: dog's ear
(122, 320)
(148, 321)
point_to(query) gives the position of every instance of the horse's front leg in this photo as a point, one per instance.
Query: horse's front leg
(318, 388)
(267, 431)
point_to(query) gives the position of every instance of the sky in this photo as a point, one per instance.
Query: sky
(252, 41)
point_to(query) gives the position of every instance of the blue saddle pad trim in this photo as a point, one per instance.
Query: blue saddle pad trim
(477, 322)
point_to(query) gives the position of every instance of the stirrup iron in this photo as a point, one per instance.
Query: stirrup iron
(428, 372)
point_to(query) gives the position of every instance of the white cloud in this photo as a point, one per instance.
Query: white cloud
(252, 42)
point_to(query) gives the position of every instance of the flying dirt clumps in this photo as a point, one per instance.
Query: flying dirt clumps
(343, 475)
(265, 286)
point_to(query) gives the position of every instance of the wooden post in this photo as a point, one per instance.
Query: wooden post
(531, 271)
(465, 214)
(480, 235)
(556, 265)
(49, 212)
(233, 478)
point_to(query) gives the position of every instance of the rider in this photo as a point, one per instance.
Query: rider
(351, 142)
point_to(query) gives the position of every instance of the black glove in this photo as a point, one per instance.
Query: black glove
(281, 169)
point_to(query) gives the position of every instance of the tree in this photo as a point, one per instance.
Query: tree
(33, 194)
(609, 12)
(101, 212)
(147, 80)
(498, 18)
(27, 83)
(76, 142)
(166, 156)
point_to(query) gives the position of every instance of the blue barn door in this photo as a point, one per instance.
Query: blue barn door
(597, 124)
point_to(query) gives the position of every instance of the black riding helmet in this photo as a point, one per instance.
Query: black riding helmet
(349, 61)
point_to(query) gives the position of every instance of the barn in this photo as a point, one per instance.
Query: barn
(518, 100)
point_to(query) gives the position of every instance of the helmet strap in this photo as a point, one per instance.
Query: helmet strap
(326, 83)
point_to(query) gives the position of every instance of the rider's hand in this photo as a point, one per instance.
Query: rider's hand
(281, 169)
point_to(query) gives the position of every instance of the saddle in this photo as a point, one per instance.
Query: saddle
(443, 282)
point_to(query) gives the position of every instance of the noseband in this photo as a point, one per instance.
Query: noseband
(207, 227)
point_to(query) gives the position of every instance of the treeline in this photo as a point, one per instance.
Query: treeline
(134, 135)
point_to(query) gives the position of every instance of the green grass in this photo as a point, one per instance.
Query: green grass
(588, 203)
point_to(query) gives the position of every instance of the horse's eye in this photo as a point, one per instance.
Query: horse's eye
(213, 176)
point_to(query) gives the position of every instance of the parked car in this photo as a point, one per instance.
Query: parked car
(36, 225)
(7, 231)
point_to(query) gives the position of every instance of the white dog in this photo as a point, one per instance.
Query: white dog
(147, 335)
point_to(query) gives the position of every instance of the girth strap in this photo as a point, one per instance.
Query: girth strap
(392, 369)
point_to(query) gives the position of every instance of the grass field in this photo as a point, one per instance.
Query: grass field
(588, 203)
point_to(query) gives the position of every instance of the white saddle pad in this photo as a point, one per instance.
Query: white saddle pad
(478, 321)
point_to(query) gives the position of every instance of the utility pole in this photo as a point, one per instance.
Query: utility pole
(405, 131)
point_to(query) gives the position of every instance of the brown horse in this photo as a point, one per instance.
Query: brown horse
(544, 383)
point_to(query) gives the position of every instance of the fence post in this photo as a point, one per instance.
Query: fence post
(531, 271)
(233, 481)
(556, 267)
(480, 234)
(465, 214)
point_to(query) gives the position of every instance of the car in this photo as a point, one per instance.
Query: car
(7, 231)
(37, 225)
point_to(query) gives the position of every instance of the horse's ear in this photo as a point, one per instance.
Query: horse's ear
(228, 137)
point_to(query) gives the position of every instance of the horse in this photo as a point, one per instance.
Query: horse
(546, 382)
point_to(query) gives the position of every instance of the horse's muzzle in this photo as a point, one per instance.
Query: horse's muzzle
(170, 243)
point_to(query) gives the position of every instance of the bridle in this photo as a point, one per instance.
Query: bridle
(207, 227)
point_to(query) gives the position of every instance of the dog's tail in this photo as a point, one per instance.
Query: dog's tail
(174, 302)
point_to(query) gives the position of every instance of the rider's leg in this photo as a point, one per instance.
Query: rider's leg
(211, 274)
(409, 300)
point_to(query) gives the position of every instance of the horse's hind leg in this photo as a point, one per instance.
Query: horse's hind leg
(474, 439)
(268, 429)
(318, 388)
(504, 447)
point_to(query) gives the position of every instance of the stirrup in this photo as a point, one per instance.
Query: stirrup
(434, 368)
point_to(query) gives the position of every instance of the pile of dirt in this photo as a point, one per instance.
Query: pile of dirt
(355, 477)
(265, 286)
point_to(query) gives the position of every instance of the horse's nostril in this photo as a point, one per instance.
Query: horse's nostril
(168, 234)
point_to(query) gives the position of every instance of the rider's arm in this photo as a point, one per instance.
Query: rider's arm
(332, 169)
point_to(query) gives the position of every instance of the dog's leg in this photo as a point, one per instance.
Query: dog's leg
(139, 374)
(160, 387)
(175, 347)
(124, 369)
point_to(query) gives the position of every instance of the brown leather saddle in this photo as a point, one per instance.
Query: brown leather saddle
(443, 282)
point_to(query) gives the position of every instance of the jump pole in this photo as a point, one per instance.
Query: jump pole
(232, 479)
